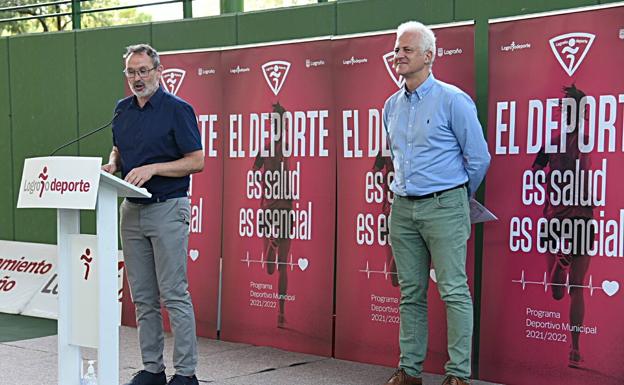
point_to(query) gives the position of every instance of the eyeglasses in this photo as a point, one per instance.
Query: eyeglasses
(142, 72)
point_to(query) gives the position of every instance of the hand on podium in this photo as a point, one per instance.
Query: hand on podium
(110, 168)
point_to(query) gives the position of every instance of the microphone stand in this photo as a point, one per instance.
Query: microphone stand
(87, 134)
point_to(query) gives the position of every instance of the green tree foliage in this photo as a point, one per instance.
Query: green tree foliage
(60, 23)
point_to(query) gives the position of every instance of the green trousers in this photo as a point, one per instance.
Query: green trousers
(424, 232)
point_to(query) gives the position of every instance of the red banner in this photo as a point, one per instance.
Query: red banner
(367, 293)
(279, 189)
(553, 262)
(196, 78)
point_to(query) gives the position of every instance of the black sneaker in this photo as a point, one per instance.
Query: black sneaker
(183, 380)
(144, 377)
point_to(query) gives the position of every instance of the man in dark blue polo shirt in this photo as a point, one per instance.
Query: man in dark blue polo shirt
(156, 145)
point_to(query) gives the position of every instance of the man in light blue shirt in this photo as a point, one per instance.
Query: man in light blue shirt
(440, 158)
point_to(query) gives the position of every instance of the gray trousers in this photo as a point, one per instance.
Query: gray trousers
(155, 242)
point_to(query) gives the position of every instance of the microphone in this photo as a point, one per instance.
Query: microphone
(117, 113)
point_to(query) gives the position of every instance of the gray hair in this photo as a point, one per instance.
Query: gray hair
(143, 48)
(427, 37)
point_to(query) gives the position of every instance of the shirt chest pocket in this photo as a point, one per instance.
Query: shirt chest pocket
(429, 128)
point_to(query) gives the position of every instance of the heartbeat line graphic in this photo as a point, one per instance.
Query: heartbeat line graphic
(385, 271)
(263, 261)
(544, 282)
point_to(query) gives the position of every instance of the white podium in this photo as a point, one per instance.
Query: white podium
(88, 309)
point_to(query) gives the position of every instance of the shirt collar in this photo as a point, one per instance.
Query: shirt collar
(154, 100)
(422, 89)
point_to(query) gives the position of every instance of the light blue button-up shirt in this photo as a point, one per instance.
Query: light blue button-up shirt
(435, 138)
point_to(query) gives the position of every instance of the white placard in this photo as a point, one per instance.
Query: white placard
(67, 182)
(24, 268)
(44, 301)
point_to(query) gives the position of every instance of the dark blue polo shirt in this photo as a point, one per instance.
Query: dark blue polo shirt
(162, 131)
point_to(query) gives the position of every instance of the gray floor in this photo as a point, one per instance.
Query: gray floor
(33, 362)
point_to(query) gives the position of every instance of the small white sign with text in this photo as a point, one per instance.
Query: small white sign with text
(63, 182)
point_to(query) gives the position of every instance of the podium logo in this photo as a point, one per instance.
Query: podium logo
(57, 186)
(43, 176)
(172, 79)
(87, 258)
(389, 63)
(275, 73)
(570, 49)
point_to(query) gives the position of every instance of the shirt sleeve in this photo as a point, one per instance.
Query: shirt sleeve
(469, 134)
(186, 131)
(116, 113)
(385, 119)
